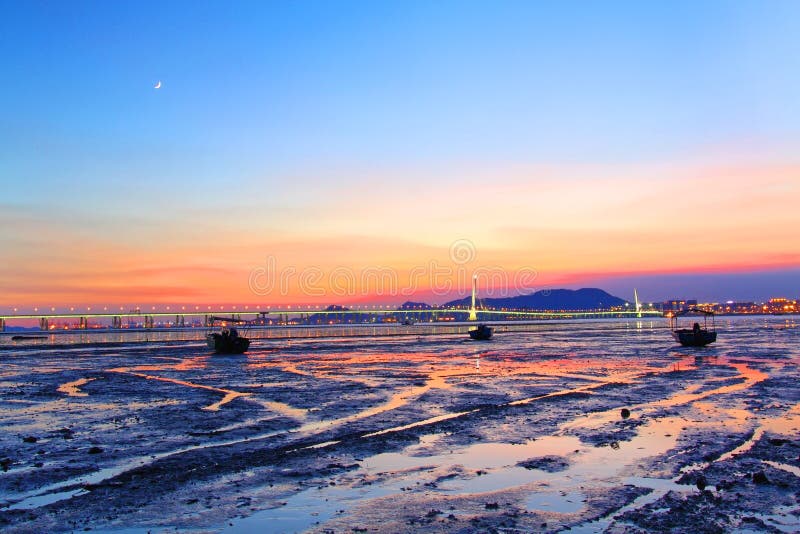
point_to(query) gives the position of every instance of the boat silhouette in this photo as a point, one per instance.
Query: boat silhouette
(697, 336)
(481, 332)
(228, 340)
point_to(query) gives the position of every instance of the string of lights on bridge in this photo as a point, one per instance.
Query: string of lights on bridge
(180, 313)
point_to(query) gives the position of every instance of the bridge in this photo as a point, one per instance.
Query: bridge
(280, 315)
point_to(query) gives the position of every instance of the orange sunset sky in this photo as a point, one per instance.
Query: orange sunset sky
(615, 146)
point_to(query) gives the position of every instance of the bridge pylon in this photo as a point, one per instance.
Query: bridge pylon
(473, 311)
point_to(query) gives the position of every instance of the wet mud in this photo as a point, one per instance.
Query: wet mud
(591, 427)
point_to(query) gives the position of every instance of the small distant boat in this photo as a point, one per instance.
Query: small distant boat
(25, 338)
(227, 340)
(481, 332)
(697, 336)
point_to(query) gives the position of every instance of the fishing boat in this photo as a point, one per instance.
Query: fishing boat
(227, 340)
(481, 332)
(697, 336)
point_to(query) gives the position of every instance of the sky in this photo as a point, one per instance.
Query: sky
(336, 152)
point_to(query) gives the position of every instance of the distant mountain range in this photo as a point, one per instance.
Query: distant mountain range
(589, 298)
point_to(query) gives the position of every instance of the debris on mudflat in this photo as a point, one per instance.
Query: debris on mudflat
(550, 464)
(701, 483)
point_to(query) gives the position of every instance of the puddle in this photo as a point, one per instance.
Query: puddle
(482, 468)
(784, 467)
(228, 395)
(72, 389)
(562, 503)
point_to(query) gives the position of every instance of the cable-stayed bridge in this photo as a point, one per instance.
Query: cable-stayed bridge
(183, 316)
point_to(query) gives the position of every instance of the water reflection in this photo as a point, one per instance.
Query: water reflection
(566, 383)
(72, 389)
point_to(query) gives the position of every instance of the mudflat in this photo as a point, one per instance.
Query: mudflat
(593, 426)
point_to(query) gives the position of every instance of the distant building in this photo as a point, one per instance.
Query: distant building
(738, 307)
(780, 305)
(677, 304)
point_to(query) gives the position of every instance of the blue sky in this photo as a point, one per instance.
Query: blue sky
(271, 83)
(284, 106)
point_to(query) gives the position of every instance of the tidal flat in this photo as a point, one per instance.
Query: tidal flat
(428, 433)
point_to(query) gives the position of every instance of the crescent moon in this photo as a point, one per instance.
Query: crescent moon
(157, 85)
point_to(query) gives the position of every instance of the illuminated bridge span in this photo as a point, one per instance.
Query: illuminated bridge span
(177, 319)
(283, 316)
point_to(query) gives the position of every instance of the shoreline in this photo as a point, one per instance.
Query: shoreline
(303, 332)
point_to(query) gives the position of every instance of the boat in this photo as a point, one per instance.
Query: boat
(481, 332)
(227, 340)
(697, 336)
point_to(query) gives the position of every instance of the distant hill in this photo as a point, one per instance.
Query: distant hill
(589, 298)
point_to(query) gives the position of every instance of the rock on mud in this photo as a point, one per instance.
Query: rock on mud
(551, 464)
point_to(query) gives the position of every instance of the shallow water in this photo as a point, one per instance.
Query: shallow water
(429, 419)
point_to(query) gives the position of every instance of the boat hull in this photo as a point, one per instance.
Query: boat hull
(226, 344)
(692, 338)
(481, 333)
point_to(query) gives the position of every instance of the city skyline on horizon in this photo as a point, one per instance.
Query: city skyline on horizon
(161, 154)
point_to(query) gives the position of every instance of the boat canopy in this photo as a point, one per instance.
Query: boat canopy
(691, 311)
(233, 320)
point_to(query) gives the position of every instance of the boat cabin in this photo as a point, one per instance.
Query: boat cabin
(698, 335)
